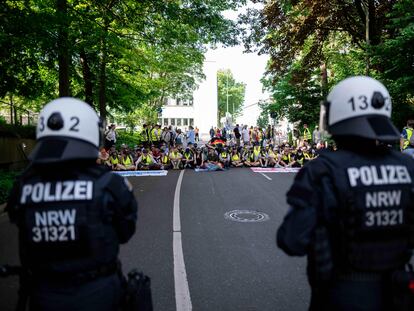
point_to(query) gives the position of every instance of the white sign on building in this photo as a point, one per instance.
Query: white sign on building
(201, 110)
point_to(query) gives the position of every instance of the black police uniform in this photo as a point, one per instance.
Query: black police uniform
(72, 216)
(352, 215)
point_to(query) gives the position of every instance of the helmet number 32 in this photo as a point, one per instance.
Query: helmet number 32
(74, 124)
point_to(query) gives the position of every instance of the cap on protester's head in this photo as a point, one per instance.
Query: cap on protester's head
(67, 129)
(359, 106)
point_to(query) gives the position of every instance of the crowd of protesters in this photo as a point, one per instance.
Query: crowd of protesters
(163, 149)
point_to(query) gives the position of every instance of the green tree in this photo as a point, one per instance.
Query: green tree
(117, 55)
(395, 58)
(230, 94)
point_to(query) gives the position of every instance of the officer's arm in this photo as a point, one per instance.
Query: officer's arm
(125, 208)
(295, 234)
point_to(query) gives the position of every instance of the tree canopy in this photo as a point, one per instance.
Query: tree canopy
(313, 44)
(115, 54)
(230, 94)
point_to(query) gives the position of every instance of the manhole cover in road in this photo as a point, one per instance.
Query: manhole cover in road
(246, 216)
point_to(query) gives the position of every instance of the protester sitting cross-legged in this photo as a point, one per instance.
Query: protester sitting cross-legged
(271, 157)
(284, 158)
(165, 160)
(224, 157)
(103, 157)
(114, 160)
(198, 157)
(188, 158)
(212, 158)
(175, 158)
(127, 162)
(255, 158)
(298, 159)
(146, 161)
(235, 158)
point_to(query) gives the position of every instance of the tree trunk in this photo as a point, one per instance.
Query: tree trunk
(324, 79)
(63, 48)
(87, 78)
(102, 74)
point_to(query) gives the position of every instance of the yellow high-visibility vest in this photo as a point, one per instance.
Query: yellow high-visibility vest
(409, 134)
(307, 134)
(235, 157)
(114, 161)
(127, 160)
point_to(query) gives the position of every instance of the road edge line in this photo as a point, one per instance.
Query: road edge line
(182, 291)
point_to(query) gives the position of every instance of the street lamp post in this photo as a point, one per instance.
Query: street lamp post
(227, 95)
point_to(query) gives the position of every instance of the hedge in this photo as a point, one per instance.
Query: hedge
(128, 139)
(20, 131)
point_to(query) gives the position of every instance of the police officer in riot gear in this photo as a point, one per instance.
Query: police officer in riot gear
(71, 214)
(352, 209)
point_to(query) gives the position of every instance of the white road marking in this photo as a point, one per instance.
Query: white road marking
(182, 291)
(267, 177)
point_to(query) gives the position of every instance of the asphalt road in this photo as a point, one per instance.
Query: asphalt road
(229, 265)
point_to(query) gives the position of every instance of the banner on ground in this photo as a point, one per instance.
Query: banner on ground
(275, 170)
(141, 173)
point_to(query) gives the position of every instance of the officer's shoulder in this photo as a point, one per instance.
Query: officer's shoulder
(115, 182)
(319, 166)
(403, 158)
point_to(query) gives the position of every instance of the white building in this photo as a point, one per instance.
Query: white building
(200, 111)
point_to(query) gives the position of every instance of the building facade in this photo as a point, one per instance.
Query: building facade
(199, 111)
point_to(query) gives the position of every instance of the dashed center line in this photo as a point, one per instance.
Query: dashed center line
(267, 177)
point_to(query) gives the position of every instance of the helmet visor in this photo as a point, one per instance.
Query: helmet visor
(372, 127)
(59, 149)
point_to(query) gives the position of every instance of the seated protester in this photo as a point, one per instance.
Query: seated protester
(297, 159)
(284, 158)
(165, 160)
(235, 158)
(213, 158)
(137, 153)
(122, 149)
(103, 157)
(156, 154)
(198, 158)
(127, 162)
(255, 158)
(245, 153)
(271, 157)
(308, 155)
(188, 158)
(175, 158)
(114, 161)
(224, 157)
(146, 161)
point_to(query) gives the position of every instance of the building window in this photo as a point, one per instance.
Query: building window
(191, 122)
(185, 120)
(165, 121)
(191, 101)
(179, 122)
(159, 121)
(178, 101)
(172, 121)
(165, 101)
